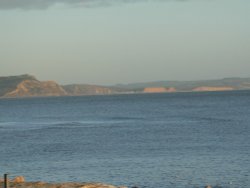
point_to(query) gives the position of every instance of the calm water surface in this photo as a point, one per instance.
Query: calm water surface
(180, 140)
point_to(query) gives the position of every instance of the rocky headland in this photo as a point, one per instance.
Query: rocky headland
(33, 88)
(28, 86)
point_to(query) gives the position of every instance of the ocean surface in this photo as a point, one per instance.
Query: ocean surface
(179, 140)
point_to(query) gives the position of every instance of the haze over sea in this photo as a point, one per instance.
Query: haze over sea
(177, 140)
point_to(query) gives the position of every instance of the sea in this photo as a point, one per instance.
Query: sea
(167, 140)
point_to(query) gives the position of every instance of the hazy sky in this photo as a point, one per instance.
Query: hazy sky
(119, 41)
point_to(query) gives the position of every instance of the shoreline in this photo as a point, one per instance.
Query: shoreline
(117, 94)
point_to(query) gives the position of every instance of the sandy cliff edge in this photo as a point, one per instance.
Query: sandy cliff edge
(29, 88)
(158, 90)
(206, 88)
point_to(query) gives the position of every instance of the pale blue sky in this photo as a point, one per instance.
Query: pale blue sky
(125, 42)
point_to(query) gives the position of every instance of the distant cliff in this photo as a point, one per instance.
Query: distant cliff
(28, 86)
(8, 84)
(199, 85)
(158, 90)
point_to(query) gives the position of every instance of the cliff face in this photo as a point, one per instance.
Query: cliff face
(28, 86)
(31, 88)
(9, 83)
(158, 90)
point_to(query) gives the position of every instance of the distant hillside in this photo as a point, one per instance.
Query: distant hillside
(28, 86)
(84, 89)
(227, 83)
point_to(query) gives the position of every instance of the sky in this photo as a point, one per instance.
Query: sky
(125, 41)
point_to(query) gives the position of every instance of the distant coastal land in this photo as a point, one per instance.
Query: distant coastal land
(29, 86)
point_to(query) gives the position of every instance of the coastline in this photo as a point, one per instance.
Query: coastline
(123, 93)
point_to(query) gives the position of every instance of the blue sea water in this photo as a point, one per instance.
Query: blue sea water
(179, 140)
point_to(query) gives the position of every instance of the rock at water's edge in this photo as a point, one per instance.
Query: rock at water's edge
(19, 179)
